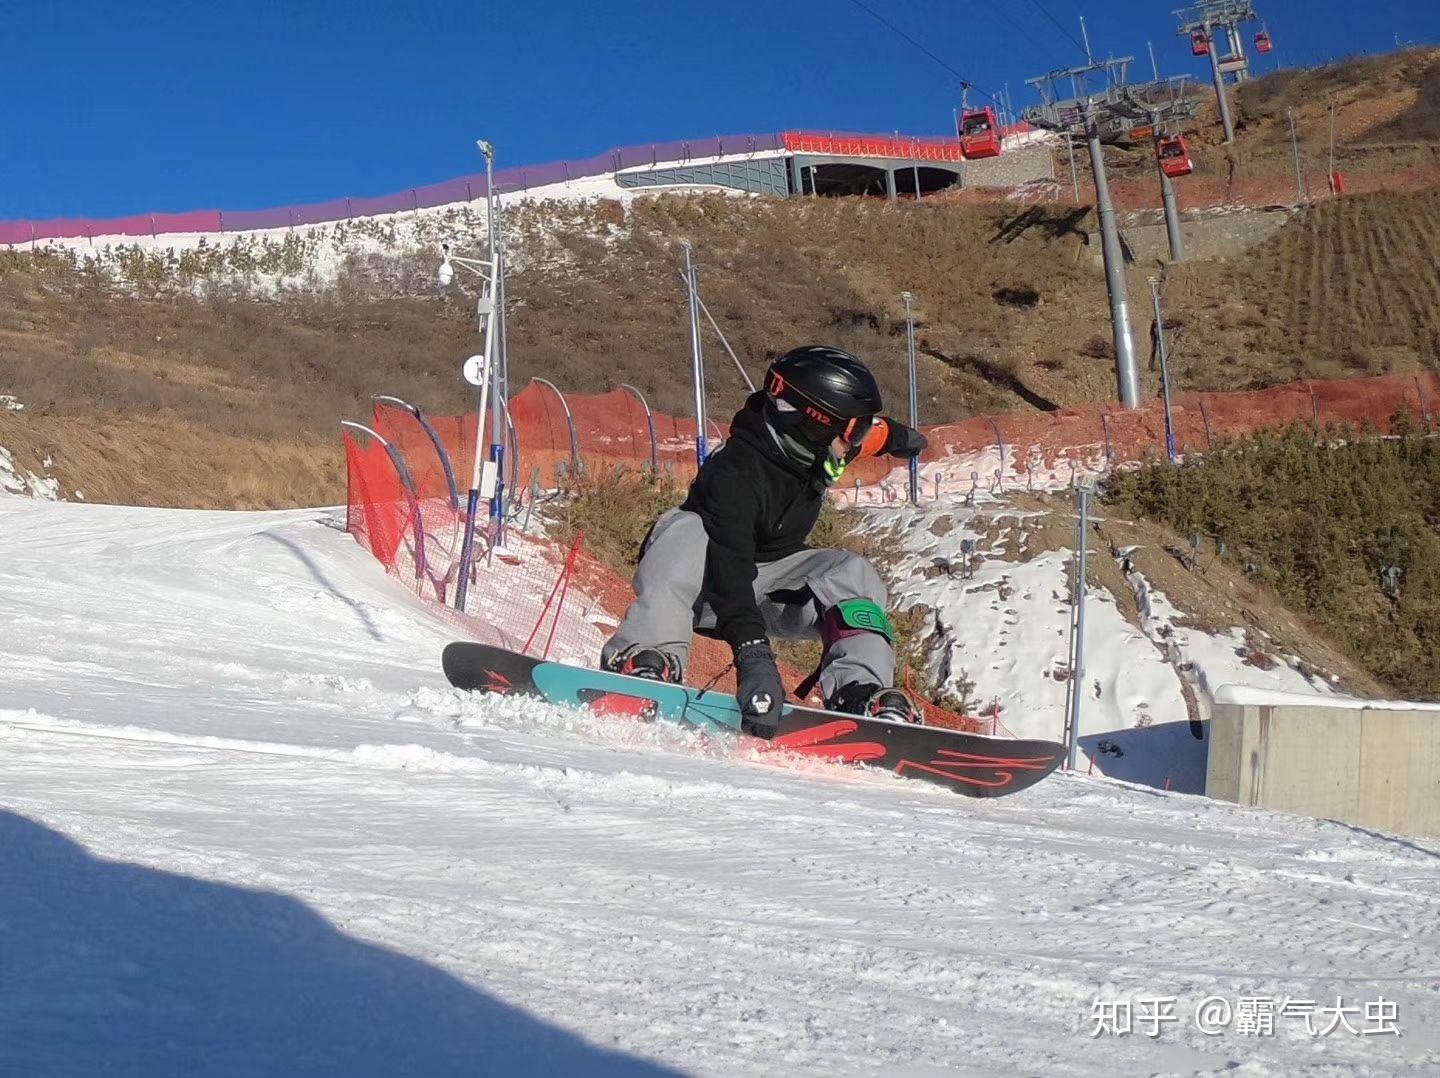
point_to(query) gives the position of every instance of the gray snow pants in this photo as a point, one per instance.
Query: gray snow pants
(793, 595)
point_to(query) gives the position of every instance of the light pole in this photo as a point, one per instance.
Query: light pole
(499, 401)
(914, 464)
(483, 372)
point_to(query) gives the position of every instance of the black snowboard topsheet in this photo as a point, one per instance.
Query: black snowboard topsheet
(970, 764)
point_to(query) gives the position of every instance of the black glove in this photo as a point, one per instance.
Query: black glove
(903, 441)
(760, 691)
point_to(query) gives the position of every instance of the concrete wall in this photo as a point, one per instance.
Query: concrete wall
(1207, 235)
(1013, 168)
(1373, 768)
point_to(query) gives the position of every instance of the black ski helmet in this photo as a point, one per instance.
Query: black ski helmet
(830, 391)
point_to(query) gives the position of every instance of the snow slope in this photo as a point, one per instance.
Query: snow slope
(245, 828)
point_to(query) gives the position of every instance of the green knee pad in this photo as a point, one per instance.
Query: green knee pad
(865, 615)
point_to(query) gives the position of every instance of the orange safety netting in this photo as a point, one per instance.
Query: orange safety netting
(555, 600)
(611, 429)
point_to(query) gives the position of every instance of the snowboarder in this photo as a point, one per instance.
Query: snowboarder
(732, 562)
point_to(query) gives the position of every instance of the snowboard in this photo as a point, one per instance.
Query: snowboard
(969, 764)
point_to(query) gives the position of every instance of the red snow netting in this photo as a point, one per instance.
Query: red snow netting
(407, 490)
(556, 437)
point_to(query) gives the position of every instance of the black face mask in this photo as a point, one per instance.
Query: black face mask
(795, 424)
(814, 445)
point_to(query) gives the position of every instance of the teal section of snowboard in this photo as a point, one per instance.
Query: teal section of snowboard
(679, 703)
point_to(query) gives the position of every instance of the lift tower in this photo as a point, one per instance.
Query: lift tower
(1199, 23)
(1165, 105)
(1098, 98)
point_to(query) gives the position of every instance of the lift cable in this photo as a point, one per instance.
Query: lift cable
(901, 33)
(1060, 26)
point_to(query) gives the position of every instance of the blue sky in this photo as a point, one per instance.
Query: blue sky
(123, 108)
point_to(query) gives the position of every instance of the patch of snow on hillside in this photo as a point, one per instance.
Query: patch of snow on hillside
(314, 257)
(1006, 626)
(1215, 659)
(981, 473)
(23, 483)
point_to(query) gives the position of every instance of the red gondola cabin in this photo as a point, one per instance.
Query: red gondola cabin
(1263, 42)
(1200, 43)
(979, 133)
(1174, 156)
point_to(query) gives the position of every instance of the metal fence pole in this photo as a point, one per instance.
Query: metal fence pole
(569, 423)
(697, 355)
(1170, 451)
(435, 442)
(1295, 152)
(914, 463)
(417, 522)
(650, 423)
(1077, 643)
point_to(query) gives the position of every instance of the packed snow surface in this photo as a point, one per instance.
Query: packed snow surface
(246, 828)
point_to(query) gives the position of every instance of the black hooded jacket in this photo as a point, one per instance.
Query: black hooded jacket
(758, 505)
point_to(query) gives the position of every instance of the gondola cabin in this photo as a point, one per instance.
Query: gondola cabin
(979, 133)
(1174, 156)
(1263, 42)
(1200, 43)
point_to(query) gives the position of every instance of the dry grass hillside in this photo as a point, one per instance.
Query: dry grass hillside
(1347, 288)
(224, 404)
(1387, 117)
(188, 390)
(234, 402)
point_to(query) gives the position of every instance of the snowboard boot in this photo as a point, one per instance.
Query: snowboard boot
(868, 699)
(649, 663)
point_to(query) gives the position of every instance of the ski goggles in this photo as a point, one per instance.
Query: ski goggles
(850, 431)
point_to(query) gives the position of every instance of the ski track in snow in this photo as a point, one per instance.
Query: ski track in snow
(243, 704)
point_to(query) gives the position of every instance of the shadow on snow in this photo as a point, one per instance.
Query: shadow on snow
(112, 968)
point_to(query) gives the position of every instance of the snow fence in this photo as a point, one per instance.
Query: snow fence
(557, 440)
(408, 474)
